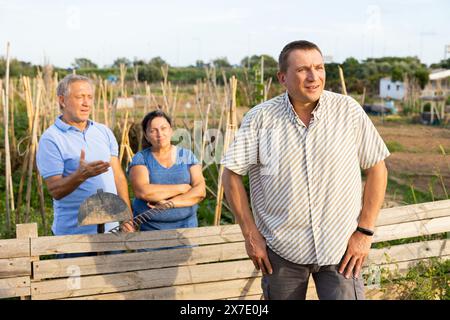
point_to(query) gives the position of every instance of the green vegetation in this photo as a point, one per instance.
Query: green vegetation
(394, 146)
(404, 192)
(358, 75)
(427, 280)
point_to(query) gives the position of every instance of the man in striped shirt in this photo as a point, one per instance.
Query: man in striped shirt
(303, 152)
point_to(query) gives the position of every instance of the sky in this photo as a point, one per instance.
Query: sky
(182, 32)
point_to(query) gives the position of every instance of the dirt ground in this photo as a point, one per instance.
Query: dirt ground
(417, 157)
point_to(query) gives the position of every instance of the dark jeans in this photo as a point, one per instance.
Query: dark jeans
(289, 281)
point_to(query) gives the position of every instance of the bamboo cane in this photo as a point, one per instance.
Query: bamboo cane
(32, 152)
(5, 97)
(341, 76)
(123, 71)
(229, 136)
(26, 156)
(55, 109)
(28, 101)
(12, 109)
(128, 150)
(166, 88)
(205, 129)
(174, 104)
(11, 146)
(103, 88)
(199, 99)
(21, 185)
(40, 189)
(267, 88)
(215, 196)
(45, 101)
(262, 80)
(96, 105)
(147, 98)
(122, 140)
(363, 98)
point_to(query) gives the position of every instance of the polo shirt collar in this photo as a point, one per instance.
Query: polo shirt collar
(293, 115)
(61, 125)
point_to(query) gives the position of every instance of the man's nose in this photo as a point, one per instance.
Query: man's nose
(312, 75)
(87, 101)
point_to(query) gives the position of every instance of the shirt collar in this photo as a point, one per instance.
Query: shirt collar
(61, 125)
(293, 115)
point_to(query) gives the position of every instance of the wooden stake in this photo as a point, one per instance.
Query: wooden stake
(40, 190)
(32, 151)
(147, 98)
(12, 114)
(122, 140)
(262, 79)
(229, 136)
(341, 75)
(5, 97)
(123, 71)
(363, 98)
(205, 129)
(21, 184)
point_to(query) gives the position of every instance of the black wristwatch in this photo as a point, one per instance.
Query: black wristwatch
(365, 231)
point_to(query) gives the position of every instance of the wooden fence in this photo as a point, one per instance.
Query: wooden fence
(209, 262)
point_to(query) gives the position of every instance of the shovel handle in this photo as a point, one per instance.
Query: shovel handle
(101, 228)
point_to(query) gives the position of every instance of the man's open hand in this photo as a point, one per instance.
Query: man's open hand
(91, 169)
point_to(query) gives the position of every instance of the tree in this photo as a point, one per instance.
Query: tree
(157, 62)
(17, 68)
(138, 62)
(122, 60)
(221, 62)
(397, 74)
(149, 73)
(422, 76)
(255, 60)
(444, 64)
(200, 64)
(84, 63)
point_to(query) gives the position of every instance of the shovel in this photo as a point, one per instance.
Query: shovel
(101, 208)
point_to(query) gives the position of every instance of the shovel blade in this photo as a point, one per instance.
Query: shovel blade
(103, 207)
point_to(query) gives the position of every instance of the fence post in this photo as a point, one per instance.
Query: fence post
(28, 231)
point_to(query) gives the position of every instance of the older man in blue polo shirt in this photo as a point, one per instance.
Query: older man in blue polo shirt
(77, 156)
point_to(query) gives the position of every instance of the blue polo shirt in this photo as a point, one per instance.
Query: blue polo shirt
(59, 154)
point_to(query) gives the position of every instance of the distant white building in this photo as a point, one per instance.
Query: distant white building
(392, 89)
(124, 102)
(439, 84)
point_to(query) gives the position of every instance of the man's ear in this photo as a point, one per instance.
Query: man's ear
(61, 101)
(281, 77)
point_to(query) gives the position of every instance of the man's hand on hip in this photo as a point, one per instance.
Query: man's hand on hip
(255, 244)
(357, 251)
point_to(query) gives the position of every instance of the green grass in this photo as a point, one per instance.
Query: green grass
(408, 197)
(427, 280)
(406, 194)
(394, 146)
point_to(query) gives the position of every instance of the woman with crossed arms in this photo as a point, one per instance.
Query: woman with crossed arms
(166, 177)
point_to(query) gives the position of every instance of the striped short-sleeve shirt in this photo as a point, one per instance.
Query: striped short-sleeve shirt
(305, 182)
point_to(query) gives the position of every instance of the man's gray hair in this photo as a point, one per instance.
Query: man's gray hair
(64, 84)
